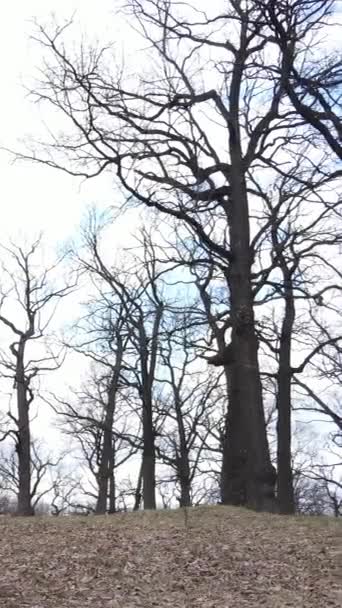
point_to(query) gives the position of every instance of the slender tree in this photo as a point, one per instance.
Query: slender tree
(43, 472)
(138, 292)
(189, 396)
(28, 299)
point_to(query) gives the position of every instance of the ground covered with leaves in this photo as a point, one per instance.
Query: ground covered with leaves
(216, 557)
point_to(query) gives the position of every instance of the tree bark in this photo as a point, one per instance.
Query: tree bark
(149, 458)
(231, 486)
(104, 472)
(148, 367)
(24, 439)
(183, 465)
(233, 490)
(137, 493)
(106, 467)
(185, 497)
(285, 479)
(249, 466)
(112, 482)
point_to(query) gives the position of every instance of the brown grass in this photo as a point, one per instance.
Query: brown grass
(217, 557)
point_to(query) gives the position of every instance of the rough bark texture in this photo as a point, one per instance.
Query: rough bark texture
(233, 485)
(137, 493)
(249, 466)
(226, 479)
(285, 480)
(185, 497)
(24, 439)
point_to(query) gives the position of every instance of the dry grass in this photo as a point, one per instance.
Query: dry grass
(218, 558)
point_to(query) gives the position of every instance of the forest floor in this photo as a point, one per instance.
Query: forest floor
(214, 557)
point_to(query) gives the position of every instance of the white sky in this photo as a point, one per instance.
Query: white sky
(35, 198)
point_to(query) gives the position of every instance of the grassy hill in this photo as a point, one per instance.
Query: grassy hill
(215, 557)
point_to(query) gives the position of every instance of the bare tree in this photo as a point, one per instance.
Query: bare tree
(143, 306)
(318, 490)
(189, 143)
(43, 469)
(326, 369)
(28, 301)
(64, 492)
(99, 425)
(189, 396)
(106, 387)
(313, 86)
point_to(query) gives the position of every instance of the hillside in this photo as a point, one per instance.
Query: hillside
(214, 557)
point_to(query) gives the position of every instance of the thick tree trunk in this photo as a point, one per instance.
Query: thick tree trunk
(233, 485)
(24, 468)
(234, 448)
(24, 440)
(285, 479)
(185, 497)
(247, 475)
(103, 475)
(226, 491)
(251, 477)
(149, 458)
(249, 465)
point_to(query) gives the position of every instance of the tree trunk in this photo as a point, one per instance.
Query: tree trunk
(225, 490)
(184, 478)
(234, 450)
(105, 472)
(183, 465)
(185, 497)
(149, 458)
(249, 469)
(103, 475)
(285, 479)
(24, 439)
(137, 494)
(233, 490)
(250, 472)
(148, 368)
(112, 481)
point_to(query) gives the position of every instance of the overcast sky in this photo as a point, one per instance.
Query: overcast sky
(35, 198)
